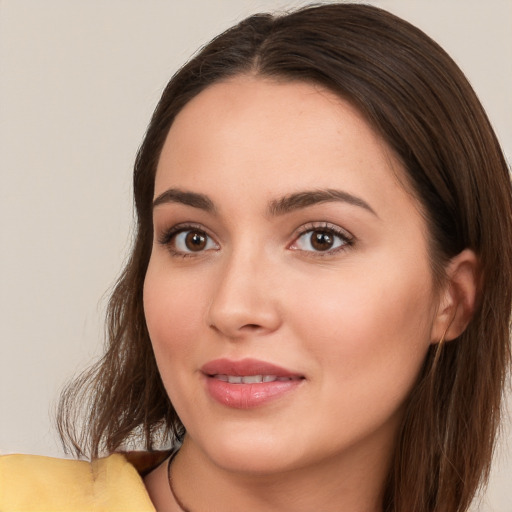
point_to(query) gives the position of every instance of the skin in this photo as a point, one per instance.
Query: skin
(355, 321)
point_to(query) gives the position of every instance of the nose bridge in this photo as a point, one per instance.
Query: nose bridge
(242, 301)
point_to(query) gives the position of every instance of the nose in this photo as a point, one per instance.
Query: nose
(244, 301)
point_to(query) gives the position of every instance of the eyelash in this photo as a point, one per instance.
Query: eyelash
(168, 236)
(330, 229)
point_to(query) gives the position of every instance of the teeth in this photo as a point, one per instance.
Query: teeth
(249, 379)
(252, 379)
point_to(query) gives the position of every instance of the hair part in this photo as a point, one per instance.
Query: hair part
(419, 101)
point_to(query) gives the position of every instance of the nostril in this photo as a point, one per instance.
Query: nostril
(251, 327)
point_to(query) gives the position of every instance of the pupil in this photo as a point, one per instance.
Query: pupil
(321, 240)
(195, 241)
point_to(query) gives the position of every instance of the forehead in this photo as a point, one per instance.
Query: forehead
(258, 134)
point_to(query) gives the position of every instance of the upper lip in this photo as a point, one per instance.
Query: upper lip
(246, 367)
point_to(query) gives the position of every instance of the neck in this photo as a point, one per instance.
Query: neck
(353, 482)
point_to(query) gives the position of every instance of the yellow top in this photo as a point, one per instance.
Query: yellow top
(31, 483)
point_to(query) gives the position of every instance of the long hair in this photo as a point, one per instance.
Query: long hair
(415, 96)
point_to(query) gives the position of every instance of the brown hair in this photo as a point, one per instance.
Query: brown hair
(411, 91)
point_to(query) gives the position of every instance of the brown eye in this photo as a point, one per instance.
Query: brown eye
(195, 241)
(187, 241)
(321, 240)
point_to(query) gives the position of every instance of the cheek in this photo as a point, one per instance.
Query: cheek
(369, 334)
(173, 310)
(368, 346)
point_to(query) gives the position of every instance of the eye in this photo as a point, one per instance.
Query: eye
(326, 239)
(185, 241)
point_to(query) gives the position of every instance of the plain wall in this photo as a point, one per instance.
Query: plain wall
(78, 83)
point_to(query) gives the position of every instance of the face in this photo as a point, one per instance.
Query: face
(289, 296)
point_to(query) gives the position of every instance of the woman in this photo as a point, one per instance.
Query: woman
(316, 310)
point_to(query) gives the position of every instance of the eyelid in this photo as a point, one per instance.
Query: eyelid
(168, 235)
(347, 238)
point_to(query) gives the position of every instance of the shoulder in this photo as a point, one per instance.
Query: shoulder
(30, 483)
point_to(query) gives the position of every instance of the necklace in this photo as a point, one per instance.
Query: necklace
(169, 479)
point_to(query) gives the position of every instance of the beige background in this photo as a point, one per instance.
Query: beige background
(78, 82)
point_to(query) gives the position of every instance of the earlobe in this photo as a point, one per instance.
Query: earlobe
(458, 298)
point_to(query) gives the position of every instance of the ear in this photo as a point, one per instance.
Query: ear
(457, 299)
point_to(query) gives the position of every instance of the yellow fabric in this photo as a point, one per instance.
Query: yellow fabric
(30, 483)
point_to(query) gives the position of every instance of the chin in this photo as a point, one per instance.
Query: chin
(252, 454)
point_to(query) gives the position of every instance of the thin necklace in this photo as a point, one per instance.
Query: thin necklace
(169, 479)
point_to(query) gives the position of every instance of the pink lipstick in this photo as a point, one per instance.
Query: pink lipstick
(247, 383)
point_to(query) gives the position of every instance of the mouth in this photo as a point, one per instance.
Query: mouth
(251, 379)
(248, 383)
(248, 371)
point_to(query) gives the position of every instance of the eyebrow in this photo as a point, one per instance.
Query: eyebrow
(307, 198)
(174, 195)
(276, 207)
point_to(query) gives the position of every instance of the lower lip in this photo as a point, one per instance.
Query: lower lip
(247, 396)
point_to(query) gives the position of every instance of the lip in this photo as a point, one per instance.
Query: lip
(246, 367)
(248, 395)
